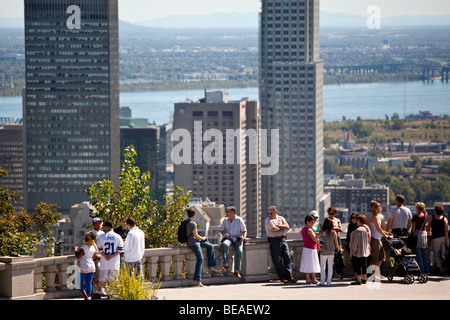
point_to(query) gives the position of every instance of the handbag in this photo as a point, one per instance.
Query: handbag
(419, 238)
(422, 237)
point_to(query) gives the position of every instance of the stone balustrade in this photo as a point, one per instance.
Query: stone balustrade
(31, 278)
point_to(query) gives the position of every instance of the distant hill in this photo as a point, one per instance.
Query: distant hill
(250, 20)
(215, 20)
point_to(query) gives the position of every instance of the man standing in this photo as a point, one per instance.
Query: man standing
(97, 230)
(134, 247)
(196, 243)
(399, 218)
(276, 230)
(234, 231)
(110, 246)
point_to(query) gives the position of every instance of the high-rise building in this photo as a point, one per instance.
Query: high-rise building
(291, 97)
(151, 151)
(11, 158)
(216, 153)
(71, 100)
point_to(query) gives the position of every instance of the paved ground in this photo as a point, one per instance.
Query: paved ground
(437, 288)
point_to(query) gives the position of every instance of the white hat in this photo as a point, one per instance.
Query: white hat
(314, 214)
(96, 220)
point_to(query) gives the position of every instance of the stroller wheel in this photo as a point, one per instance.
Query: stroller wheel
(409, 279)
(423, 278)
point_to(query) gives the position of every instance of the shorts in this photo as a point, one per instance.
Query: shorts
(377, 251)
(108, 275)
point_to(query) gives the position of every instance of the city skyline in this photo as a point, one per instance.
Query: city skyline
(141, 10)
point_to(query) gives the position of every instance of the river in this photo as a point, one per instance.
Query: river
(366, 100)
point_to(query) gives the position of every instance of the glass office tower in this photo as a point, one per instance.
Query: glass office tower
(291, 91)
(71, 100)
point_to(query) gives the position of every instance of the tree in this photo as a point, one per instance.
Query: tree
(159, 221)
(444, 167)
(21, 231)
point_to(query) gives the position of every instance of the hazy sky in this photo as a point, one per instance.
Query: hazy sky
(138, 10)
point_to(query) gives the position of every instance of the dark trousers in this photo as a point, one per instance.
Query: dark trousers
(281, 258)
(359, 265)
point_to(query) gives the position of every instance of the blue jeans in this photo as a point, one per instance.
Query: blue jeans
(197, 249)
(422, 260)
(279, 250)
(239, 250)
(136, 265)
(86, 282)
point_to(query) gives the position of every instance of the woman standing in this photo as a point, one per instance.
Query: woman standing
(352, 226)
(418, 229)
(438, 228)
(337, 227)
(377, 255)
(330, 244)
(310, 259)
(85, 255)
(360, 250)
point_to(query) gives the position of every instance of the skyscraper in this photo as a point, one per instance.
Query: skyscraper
(213, 155)
(291, 85)
(71, 100)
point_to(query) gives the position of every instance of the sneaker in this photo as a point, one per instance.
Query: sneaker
(198, 283)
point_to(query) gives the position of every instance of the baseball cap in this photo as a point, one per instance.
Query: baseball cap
(108, 223)
(314, 214)
(96, 220)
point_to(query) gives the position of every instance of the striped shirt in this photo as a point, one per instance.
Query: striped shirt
(235, 228)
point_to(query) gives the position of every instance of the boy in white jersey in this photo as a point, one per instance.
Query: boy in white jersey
(110, 246)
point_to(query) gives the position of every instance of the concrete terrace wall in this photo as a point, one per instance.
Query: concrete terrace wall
(26, 278)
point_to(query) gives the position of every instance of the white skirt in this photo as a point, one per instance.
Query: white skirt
(310, 261)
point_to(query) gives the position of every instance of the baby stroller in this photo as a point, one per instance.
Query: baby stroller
(405, 264)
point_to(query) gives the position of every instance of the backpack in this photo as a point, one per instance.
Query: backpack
(182, 232)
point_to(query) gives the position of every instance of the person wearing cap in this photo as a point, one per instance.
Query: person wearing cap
(276, 230)
(234, 231)
(97, 231)
(110, 245)
(316, 226)
(97, 227)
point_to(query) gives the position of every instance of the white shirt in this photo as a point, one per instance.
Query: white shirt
(134, 245)
(86, 262)
(271, 223)
(234, 229)
(97, 234)
(110, 243)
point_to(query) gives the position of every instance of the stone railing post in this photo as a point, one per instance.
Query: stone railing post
(178, 266)
(153, 268)
(38, 278)
(17, 277)
(165, 267)
(255, 263)
(50, 277)
(62, 276)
